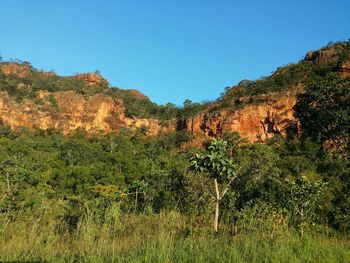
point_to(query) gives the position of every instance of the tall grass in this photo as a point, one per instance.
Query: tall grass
(161, 238)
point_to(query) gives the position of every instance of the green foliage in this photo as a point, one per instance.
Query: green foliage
(259, 174)
(324, 111)
(190, 109)
(215, 162)
(136, 105)
(53, 102)
(304, 200)
(111, 236)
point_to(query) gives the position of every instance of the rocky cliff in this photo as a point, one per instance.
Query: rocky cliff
(253, 122)
(71, 111)
(257, 110)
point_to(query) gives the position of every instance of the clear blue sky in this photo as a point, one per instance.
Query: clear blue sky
(169, 50)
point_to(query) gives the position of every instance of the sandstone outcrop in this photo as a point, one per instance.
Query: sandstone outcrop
(344, 67)
(253, 122)
(91, 79)
(18, 70)
(255, 117)
(322, 56)
(262, 117)
(71, 111)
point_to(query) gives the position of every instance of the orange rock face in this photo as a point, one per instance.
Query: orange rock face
(322, 56)
(71, 112)
(345, 68)
(253, 122)
(68, 111)
(91, 79)
(21, 71)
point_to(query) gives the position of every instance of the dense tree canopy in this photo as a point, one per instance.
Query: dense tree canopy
(324, 110)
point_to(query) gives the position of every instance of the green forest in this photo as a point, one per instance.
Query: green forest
(129, 197)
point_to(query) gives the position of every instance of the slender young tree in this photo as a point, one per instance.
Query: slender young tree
(220, 168)
(304, 199)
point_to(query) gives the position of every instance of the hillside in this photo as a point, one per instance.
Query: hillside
(92, 173)
(256, 109)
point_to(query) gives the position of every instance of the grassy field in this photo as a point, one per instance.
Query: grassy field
(162, 238)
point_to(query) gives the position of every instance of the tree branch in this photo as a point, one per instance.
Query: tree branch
(228, 184)
(207, 191)
(133, 193)
(217, 189)
(227, 187)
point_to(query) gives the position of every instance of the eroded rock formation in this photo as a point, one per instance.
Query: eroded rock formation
(21, 71)
(254, 122)
(344, 67)
(68, 111)
(91, 78)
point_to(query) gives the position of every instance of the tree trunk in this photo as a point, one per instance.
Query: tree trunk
(216, 222)
(301, 230)
(217, 199)
(136, 196)
(234, 227)
(8, 182)
(302, 220)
